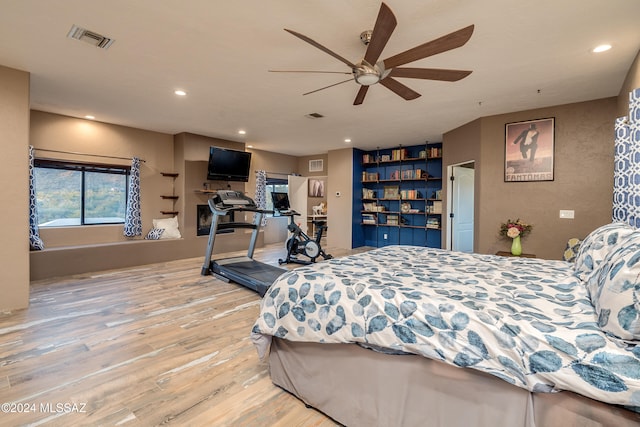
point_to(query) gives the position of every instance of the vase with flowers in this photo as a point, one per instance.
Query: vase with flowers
(515, 230)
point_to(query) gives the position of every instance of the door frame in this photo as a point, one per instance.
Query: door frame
(450, 198)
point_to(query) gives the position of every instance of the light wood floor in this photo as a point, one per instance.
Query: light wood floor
(152, 345)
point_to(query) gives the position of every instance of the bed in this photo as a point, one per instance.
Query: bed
(407, 335)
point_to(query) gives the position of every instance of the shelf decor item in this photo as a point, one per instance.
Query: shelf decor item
(515, 230)
(391, 192)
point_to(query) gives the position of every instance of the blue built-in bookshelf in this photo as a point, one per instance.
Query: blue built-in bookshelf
(397, 196)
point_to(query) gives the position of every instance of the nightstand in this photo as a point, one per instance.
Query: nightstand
(509, 254)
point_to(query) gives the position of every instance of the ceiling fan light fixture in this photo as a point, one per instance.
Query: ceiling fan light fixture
(366, 76)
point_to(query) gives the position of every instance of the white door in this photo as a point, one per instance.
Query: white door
(462, 209)
(298, 199)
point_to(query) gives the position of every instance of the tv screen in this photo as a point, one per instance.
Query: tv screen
(228, 165)
(280, 201)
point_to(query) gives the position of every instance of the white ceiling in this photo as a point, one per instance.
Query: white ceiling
(220, 53)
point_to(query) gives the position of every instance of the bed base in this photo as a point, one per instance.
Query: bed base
(360, 387)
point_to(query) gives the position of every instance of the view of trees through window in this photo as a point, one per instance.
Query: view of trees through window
(63, 198)
(278, 188)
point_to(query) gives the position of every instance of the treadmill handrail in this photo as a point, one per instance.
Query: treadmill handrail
(224, 210)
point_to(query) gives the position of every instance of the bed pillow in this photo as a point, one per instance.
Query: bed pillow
(154, 233)
(170, 226)
(615, 290)
(571, 250)
(595, 247)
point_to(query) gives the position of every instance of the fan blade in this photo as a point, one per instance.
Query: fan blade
(361, 94)
(322, 48)
(430, 74)
(399, 89)
(308, 71)
(450, 41)
(327, 87)
(385, 24)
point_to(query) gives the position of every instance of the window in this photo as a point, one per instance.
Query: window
(70, 193)
(275, 185)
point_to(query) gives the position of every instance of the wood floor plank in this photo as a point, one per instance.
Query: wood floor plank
(149, 345)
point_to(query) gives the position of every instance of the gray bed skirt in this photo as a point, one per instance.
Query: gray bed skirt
(360, 387)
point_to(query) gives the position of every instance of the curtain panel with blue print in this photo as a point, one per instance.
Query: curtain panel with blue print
(626, 187)
(133, 218)
(35, 242)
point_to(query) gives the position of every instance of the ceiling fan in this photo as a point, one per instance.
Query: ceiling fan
(370, 71)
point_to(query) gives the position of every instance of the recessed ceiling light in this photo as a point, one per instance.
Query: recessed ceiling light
(347, 140)
(89, 117)
(180, 92)
(242, 132)
(249, 146)
(601, 48)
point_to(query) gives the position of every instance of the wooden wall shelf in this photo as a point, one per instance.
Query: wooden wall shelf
(172, 196)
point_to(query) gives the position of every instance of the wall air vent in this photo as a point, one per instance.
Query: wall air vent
(90, 37)
(316, 165)
(314, 115)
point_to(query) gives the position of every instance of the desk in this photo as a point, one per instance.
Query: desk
(509, 254)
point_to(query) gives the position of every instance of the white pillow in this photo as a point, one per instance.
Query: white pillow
(170, 226)
(616, 291)
(595, 247)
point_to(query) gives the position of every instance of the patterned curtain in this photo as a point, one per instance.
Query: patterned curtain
(132, 218)
(626, 184)
(261, 193)
(35, 242)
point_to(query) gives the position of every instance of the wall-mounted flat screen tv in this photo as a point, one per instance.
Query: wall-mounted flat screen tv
(228, 165)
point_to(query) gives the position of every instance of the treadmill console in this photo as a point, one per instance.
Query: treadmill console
(231, 198)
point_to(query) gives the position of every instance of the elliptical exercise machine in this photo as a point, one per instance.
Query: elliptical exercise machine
(299, 243)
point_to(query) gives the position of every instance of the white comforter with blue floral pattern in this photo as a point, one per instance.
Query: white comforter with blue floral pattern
(527, 321)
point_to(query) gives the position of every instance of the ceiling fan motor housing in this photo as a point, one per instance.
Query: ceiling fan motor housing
(367, 75)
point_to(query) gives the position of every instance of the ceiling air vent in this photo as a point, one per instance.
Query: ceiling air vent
(90, 37)
(314, 115)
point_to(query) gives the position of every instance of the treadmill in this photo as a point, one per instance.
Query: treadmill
(243, 270)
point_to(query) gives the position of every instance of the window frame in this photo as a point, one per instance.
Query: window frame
(83, 167)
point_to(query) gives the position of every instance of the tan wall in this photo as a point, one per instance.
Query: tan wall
(463, 145)
(339, 213)
(279, 165)
(303, 167)
(57, 132)
(185, 153)
(631, 82)
(14, 174)
(583, 178)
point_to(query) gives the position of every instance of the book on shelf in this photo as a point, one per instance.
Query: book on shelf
(399, 154)
(434, 152)
(436, 207)
(433, 223)
(368, 193)
(392, 220)
(368, 158)
(372, 207)
(369, 176)
(368, 218)
(410, 194)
